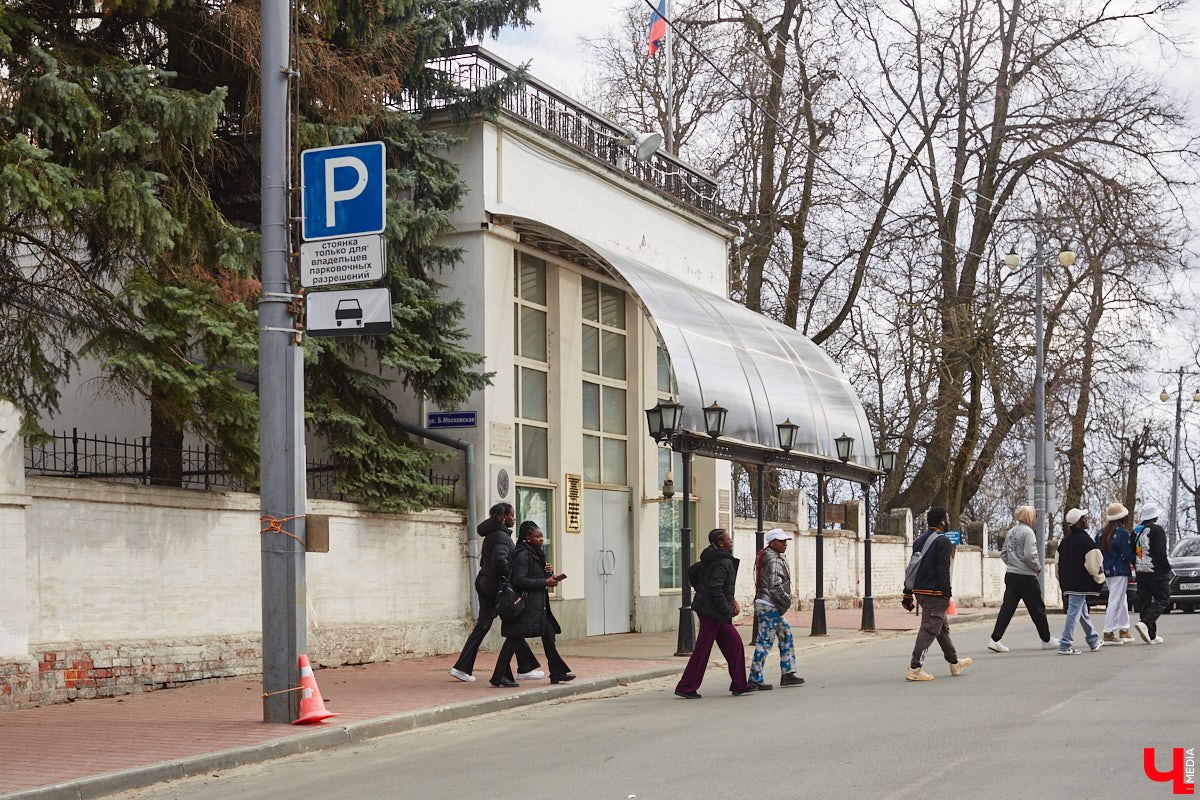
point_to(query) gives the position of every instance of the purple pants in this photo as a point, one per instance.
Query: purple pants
(730, 642)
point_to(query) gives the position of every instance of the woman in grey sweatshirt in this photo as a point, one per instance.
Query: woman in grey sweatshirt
(1020, 581)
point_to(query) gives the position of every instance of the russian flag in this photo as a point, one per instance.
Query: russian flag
(658, 26)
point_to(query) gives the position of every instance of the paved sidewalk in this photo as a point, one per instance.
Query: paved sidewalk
(91, 748)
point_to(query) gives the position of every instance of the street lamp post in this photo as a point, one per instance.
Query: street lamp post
(1172, 520)
(886, 462)
(663, 422)
(1067, 258)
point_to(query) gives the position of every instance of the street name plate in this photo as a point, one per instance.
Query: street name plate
(348, 312)
(354, 259)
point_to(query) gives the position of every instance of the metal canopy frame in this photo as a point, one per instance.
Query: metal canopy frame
(702, 444)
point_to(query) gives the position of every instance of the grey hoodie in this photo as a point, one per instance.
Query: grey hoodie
(1020, 551)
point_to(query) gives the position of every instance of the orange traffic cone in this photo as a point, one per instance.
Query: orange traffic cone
(951, 611)
(312, 707)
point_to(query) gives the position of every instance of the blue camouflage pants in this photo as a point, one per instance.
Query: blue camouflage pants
(772, 625)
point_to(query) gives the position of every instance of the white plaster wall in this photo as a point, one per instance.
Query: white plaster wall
(110, 562)
(14, 603)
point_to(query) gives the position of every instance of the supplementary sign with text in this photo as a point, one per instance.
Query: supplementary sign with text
(354, 259)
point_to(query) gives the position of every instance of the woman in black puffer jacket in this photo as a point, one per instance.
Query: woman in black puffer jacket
(529, 577)
(494, 563)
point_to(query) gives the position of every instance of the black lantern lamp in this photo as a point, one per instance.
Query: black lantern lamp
(845, 447)
(714, 420)
(654, 421)
(886, 461)
(787, 434)
(672, 416)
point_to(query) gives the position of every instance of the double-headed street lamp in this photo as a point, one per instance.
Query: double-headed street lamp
(885, 462)
(664, 422)
(1172, 522)
(1067, 258)
(845, 449)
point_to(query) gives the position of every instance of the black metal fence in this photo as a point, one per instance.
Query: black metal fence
(128, 460)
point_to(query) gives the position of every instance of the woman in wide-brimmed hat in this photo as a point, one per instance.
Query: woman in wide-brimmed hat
(1117, 547)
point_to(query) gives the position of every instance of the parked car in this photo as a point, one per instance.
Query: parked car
(1185, 573)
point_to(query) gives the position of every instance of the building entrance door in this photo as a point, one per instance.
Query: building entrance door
(608, 580)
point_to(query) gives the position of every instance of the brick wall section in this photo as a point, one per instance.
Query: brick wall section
(110, 669)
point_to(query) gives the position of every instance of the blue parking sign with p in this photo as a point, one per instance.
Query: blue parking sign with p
(344, 190)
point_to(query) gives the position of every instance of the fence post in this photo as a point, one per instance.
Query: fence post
(145, 459)
(206, 467)
(74, 452)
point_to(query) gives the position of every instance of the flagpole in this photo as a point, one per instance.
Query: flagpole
(669, 132)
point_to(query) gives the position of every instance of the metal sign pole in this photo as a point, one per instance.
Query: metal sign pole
(281, 395)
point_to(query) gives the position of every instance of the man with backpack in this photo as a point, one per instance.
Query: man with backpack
(928, 579)
(772, 599)
(1153, 574)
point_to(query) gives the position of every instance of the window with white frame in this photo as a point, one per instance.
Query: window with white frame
(605, 386)
(531, 367)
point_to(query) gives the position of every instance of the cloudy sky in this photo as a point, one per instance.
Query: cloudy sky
(552, 43)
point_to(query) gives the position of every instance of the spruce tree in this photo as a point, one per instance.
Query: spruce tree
(129, 181)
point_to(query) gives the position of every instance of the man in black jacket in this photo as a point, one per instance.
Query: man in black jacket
(713, 578)
(1153, 574)
(932, 589)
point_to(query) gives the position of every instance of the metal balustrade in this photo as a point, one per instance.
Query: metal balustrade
(578, 126)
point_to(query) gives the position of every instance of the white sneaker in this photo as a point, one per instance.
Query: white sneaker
(1070, 651)
(1097, 647)
(1050, 645)
(996, 647)
(532, 675)
(462, 676)
(1143, 632)
(1155, 640)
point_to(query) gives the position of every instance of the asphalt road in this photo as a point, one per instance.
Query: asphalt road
(1024, 724)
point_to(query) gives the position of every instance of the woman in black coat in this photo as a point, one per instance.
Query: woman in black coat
(494, 564)
(529, 577)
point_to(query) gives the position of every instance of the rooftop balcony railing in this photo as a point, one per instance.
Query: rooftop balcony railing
(599, 137)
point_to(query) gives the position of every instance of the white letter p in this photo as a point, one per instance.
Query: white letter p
(334, 196)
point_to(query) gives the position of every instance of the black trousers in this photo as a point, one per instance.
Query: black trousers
(1154, 598)
(512, 644)
(526, 660)
(1021, 589)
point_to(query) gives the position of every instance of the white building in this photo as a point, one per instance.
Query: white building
(596, 285)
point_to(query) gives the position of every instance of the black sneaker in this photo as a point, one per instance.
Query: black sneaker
(687, 695)
(759, 686)
(504, 683)
(752, 687)
(790, 679)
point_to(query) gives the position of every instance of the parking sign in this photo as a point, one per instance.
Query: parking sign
(344, 190)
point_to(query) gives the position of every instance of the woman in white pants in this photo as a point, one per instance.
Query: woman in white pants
(1117, 546)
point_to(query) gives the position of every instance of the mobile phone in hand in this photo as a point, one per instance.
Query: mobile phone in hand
(560, 576)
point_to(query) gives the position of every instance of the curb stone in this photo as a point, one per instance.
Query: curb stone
(327, 736)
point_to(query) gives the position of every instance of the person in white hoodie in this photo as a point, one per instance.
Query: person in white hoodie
(1020, 581)
(1080, 574)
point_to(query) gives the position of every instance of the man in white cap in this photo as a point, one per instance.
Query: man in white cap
(773, 597)
(1153, 574)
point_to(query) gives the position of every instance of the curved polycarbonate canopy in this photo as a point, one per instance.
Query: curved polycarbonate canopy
(761, 370)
